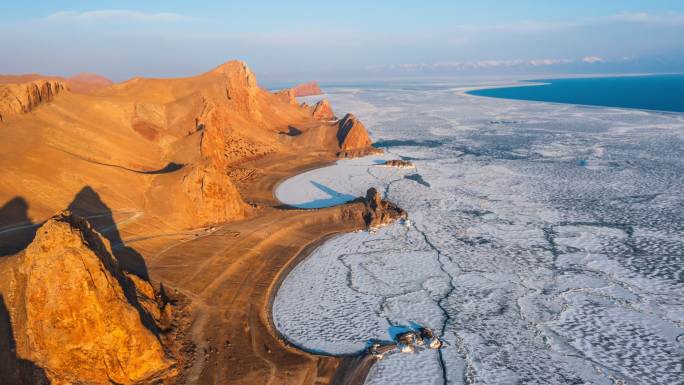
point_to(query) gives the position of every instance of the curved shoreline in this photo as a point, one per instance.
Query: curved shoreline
(231, 277)
(353, 368)
(277, 283)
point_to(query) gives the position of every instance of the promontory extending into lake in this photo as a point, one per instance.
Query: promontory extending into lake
(171, 273)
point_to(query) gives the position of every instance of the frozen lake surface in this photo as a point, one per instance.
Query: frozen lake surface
(547, 244)
(312, 189)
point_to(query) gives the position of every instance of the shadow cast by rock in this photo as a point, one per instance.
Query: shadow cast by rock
(291, 131)
(336, 197)
(13, 369)
(170, 167)
(88, 204)
(418, 179)
(17, 230)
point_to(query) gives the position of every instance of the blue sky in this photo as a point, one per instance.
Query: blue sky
(350, 40)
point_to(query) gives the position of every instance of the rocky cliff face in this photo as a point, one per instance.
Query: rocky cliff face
(322, 110)
(353, 138)
(232, 116)
(287, 95)
(240, 88)
(352, 134)
(84, 320)
(22, 98)
(212, 196)
(224, 146)
(83, 83)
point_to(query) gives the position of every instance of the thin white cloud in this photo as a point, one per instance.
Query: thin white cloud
(516, 63)
(593, 59)
(115, 15)
(672, 18)
(548, 62)
(533, 26)
(526, 26)
(481, 64)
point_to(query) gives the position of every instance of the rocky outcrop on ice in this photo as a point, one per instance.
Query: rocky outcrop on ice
(399, 163)
(378, 212)
(353, 138)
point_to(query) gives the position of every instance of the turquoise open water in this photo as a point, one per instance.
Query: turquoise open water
(653, 92)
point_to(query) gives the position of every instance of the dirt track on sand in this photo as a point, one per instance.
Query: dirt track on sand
(231, 275)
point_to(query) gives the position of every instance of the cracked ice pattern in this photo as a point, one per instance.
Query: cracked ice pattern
(547, 245)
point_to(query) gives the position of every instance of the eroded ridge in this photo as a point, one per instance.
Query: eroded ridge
(172, 180)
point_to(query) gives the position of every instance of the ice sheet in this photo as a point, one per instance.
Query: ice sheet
(547, 243)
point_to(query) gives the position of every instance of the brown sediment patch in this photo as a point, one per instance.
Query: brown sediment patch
(147, 130)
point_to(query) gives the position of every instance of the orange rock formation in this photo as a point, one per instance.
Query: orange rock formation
(353, 138)
(378, 212)
(22, 98)
(307, 89)
(322, 110)
(288, 95)
(84, 323)
(83, 83)
(171, 159)
(352, 134)
(163, 138)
